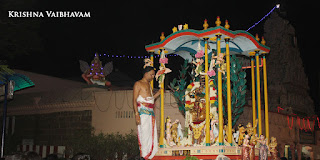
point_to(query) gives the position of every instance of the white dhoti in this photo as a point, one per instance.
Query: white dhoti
(147, 130)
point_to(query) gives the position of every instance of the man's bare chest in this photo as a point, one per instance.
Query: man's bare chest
(145, 88)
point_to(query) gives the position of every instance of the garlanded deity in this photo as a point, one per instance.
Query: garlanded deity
(199, 110)
(196, 112)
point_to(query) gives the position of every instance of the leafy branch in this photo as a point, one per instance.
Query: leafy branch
(178, 87)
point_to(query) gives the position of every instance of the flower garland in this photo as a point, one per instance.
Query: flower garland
(163, 60)
(197, 125)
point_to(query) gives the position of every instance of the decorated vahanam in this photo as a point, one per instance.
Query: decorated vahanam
(215, 97)
(96, 73)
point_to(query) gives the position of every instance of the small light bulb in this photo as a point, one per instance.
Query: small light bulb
(278, 6)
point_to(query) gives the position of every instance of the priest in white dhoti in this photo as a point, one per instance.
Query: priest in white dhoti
(143, 104)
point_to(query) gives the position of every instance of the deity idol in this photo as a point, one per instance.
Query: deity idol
(169, 136)
(214, 132)
(273, 148)
(250, 129)
(241, 134)
(95, 73)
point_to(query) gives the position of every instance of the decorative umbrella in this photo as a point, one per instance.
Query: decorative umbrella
(20, 81)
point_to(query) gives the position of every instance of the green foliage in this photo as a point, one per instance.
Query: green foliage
(104, 146)
(178, 87)
(238, 90)
(191, 158)
(185, 133)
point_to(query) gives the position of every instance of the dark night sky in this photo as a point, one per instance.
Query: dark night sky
(119, 27)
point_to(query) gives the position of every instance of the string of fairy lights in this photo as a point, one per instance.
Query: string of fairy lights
(131, 56)
(277, 6)
(265, 16)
